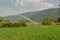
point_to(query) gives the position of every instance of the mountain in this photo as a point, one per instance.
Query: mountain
(37, 15)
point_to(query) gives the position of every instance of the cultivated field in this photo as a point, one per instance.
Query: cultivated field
(46, 32)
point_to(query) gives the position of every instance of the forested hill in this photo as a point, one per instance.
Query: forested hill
(37, 15)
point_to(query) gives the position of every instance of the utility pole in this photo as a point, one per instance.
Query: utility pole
(59, 9)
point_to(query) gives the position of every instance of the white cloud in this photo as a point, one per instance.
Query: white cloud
(21, 6)
(22, 2)
(46, 5)
(41, 3)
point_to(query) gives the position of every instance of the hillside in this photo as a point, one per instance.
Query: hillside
(38, 15)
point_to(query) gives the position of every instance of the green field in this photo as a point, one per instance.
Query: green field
(47, 32)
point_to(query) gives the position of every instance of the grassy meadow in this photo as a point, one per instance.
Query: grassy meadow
(42, 32)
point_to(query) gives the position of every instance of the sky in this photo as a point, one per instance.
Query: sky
(14, 7)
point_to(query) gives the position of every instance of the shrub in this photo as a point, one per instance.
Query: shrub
(7, 25)
(17, 24)
(46, 21)
(1, 19)
(23, 24)
(59, 19)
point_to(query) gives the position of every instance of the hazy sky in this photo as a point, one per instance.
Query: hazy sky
(13, 7)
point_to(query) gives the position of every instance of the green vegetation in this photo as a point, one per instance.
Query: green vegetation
(47, 21)
(13, 24)
(1, 19)
(46, 32)
(59, 19)
(18, 23)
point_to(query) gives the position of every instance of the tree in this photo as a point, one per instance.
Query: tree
(46, 21)
(59, 19)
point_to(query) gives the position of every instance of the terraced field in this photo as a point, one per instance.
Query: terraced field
(42, 32)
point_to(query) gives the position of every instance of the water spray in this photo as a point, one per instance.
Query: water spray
(29, 19)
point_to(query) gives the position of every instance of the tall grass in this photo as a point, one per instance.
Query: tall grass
(47, 32)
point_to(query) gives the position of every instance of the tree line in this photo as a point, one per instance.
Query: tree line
(45, 21)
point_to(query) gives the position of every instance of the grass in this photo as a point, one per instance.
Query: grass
(46, 32)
